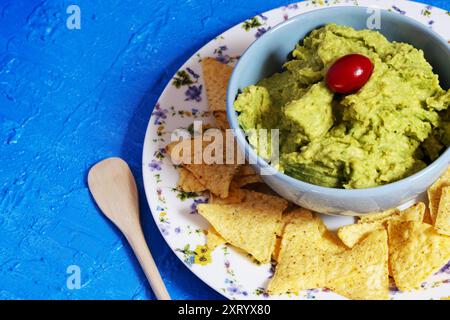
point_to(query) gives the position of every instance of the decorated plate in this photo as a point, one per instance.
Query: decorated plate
(184, 100)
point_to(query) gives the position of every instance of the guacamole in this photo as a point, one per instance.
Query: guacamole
(395, 125)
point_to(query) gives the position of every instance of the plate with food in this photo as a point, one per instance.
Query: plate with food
(302, 154)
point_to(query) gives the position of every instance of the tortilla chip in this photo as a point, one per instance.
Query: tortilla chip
(216, 76)
(178, 156)
(276, 249)
(245, 180)
(187, 182)
(268, 201)
(238, 195)
(246, 170)
(434, 193)
(300, 261)
(312, 257)
(213, 239)
(249, 226)
(427, 216)
(291, 216)
(442, 224)
(221, 120)
(304, 254)
(413, 213)
(330, 241)
(373, 217)
(296, 215)
(214, 177)
(284, 220)
(352, 234)
(362, 273)
(235, 195)
(246, 175)
(416, 252)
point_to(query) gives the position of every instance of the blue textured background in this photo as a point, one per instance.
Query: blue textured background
(69, 98)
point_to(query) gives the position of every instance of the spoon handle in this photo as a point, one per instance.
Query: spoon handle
(140, 248)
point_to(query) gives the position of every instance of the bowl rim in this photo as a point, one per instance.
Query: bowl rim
(255, 159)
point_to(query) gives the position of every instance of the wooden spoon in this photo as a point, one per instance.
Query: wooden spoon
(114, 189)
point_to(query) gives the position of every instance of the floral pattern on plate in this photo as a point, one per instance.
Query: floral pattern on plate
(225, 269)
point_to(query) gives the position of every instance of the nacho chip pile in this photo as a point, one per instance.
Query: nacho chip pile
(195, 174)
(439, 198)
(356, 262)
(249, 225)
(311, 257)
(352, 234)
(419, 245)
(417, 251)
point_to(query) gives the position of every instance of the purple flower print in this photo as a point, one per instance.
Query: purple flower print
(261, 31)
(195, 203)
(292, 6)
(164, 229)
(192, 73)
(398, 10)
(271, 271)
(220, 56)
(194, 93)
(288, 7)
(154, 165)
(223, 58)
(159, 154)
(233, 289)
(159, 114)
(263, 17)
(446, 268)
(177, 230)
(311, 293)
(393, 288)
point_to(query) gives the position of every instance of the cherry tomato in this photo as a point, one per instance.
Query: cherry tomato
(349, 73)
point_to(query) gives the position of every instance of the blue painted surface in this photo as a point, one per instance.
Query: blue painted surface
(69, 98)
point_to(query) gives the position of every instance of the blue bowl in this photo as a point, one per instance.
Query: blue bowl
(266, 56)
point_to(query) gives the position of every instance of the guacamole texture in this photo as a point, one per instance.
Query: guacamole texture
(391, 128)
